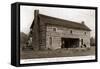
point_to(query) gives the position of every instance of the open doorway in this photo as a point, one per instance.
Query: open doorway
(70, 42)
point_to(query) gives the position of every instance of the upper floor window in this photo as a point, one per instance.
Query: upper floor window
(85, 33)
(71, 31)
(54, 29)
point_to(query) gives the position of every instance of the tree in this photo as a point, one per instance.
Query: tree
(23, 38)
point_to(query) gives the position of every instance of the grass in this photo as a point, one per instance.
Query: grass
(29, 54)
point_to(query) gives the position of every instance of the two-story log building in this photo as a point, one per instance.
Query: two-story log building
(52, 33)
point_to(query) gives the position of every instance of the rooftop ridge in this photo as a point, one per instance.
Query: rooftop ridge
(68, 22)
(58, 18)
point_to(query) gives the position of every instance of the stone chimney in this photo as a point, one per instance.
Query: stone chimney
(83, 22)
(35, 31)
(36, 12)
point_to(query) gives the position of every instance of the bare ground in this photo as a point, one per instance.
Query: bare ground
(29, 54)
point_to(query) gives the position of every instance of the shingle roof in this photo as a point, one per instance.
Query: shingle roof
(61, 22)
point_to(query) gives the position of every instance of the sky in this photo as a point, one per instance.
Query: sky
(72, 14)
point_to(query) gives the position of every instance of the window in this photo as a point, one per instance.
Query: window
(54, 29)
(71, 31)
(85, 33)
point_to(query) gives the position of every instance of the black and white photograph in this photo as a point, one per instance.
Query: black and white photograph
(50, 34)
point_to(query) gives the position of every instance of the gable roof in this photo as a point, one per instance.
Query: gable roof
(61, 22)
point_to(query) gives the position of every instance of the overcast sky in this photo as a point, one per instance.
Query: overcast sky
(77, 15)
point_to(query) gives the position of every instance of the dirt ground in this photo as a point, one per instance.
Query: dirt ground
(30, 54)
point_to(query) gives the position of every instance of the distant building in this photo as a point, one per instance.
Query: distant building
(52, 33)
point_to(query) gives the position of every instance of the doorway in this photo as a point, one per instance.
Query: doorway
(69, 42)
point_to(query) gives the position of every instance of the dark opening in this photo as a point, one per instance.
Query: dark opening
(54, 29)
(70, 42)
(71, 31)
(50, 41)
(85, 33)
(81, 41)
